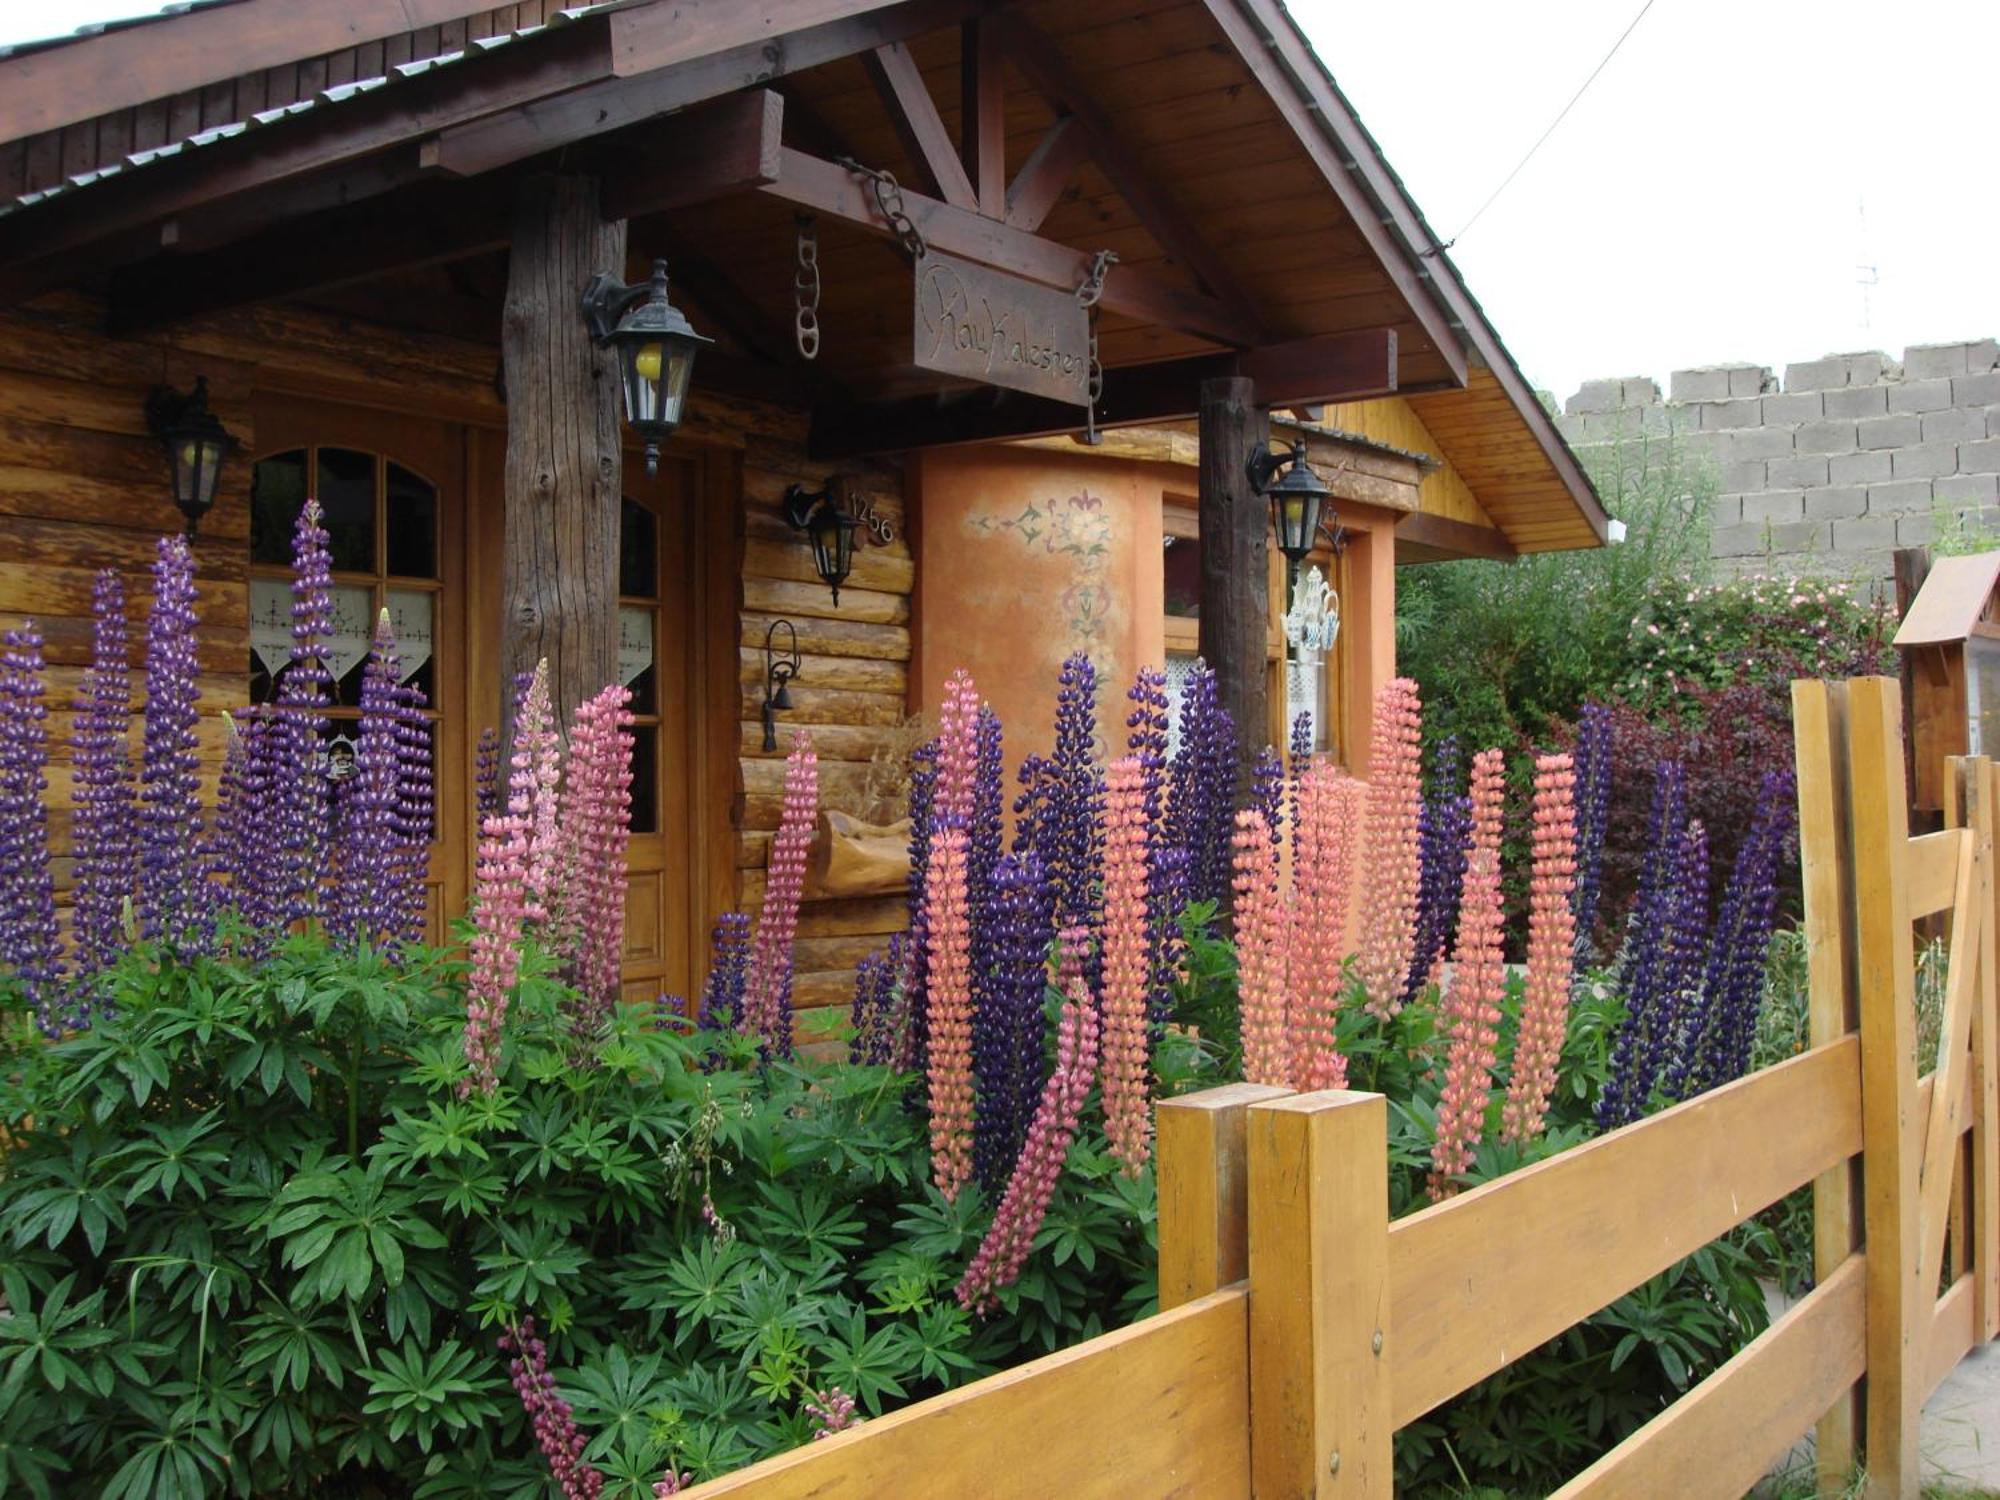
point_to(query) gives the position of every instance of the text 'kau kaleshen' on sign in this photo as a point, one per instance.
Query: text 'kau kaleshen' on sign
(992, 327)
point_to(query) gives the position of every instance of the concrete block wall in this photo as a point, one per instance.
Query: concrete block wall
(1830, 470)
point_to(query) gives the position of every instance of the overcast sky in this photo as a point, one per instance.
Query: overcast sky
(1722, 192)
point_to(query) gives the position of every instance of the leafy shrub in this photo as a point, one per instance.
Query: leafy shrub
(253, 1241)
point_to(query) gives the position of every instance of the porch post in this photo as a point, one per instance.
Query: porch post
(559, 580)
(1235, 583)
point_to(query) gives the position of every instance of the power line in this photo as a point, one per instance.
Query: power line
(1582, 89)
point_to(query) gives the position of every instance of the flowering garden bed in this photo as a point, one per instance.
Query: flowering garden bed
(295, 1204)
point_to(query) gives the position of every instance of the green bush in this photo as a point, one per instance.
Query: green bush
(253, 1241)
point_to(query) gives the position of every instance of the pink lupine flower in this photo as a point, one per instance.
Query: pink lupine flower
(832, 1410)
(767, 993)
(1551, 951)
(1018, 1219)
(958, 750)
(596, 817)
(1330, 808)
(948, 992)
(1389, 847)
(1128, 1116)
(536, 772)
(1260, 953)
(1478, 980)
(1072, 954)
(671, 1483)
(562, 1442)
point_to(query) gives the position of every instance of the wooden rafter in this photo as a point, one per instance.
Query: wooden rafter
(1427, 538)
(982, 131)
(920, 128)
(826, 188)
(51, 87)
(1164, 219)
(657, 72)
(1336, 367)
(1039, 185)
(728, 146)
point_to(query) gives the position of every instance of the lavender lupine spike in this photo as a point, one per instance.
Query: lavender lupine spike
(411, 821)
(173, 904)
(1146, 741)
(106, 832)
(29, 943)
(1202, 786)
(242, 843)
(1072, 847)
(1296, 763)
(365, 903)
(1593, 816)
(1267, 794)
(1643, 964)
(728, 972)
(1684, 947)
(1444, 840)
(486, 775)
(1007, 1025)
(303, 798)
(1720, 1042)
(874, 991)
(988, 811)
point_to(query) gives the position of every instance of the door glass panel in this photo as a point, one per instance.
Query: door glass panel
(410, 516)
(646, 778)
(1183, 570)
(347, 501)
(638, 552)
(636, 627)
(277, 492)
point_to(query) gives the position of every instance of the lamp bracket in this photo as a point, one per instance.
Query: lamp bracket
(1265, 462)
(607, 299)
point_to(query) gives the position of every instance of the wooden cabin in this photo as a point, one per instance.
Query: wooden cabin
(368, 227)
(1950, 641)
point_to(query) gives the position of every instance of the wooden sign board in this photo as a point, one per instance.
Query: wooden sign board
(986, 325)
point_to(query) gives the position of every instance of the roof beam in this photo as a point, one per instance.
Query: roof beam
(982, 130)
(1336, 367)
(919, 126)
(78, 80)
(1257, 46)
(1039, 185)
(1164, 219)
(825, 188)
(1422, 538)
(728, 146)
(657, 68)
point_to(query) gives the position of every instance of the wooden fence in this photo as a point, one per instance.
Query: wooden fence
(1300, 1328)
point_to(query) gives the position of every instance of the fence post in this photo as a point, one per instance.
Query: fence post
(1320, 1416)
(1204, 1189)
(1985, 1178)
(1826, 855)
(1899, 1307)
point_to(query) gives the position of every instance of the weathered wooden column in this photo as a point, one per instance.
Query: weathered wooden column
(1235, 581)
(559, 582)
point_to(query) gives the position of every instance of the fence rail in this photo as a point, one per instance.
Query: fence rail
(1300, 1328)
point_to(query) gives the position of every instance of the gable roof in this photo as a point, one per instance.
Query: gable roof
(1956, 596)
(1225, 170)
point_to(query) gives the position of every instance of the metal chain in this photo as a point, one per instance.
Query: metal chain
(889, 203)
(1087, 297)
(805, 288)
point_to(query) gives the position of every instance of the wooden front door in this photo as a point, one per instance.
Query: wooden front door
(392, 488)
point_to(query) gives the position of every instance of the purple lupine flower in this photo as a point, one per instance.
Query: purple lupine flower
(1267, 794)
(728, 973)
(1007, 1023)
(411, 817)
(239, 850)
(173, 903)
(874, 994)
(1685, 946)
(1201, 794)
(1444, 841)
(106, 841)
(365, 901)
(1593, 816)
(1718, 1042)
(549, 1416)
(984, 836)
(916, 951)
(1061, 797)
(486, 775)
(1301, 749)
(1644, 963)
(302, 799)
(1146, 741)
(29, 943)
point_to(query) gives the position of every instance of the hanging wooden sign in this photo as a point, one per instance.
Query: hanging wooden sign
(985, 325)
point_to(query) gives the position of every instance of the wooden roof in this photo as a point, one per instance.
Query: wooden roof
(1956, 596)
(363, 156)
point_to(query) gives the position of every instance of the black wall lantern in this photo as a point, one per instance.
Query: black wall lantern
(655, 345)
(197, 446)
(1296, 500)
(829, 526)
(778, 673)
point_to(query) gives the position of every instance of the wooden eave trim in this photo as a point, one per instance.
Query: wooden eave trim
(1447, 538)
